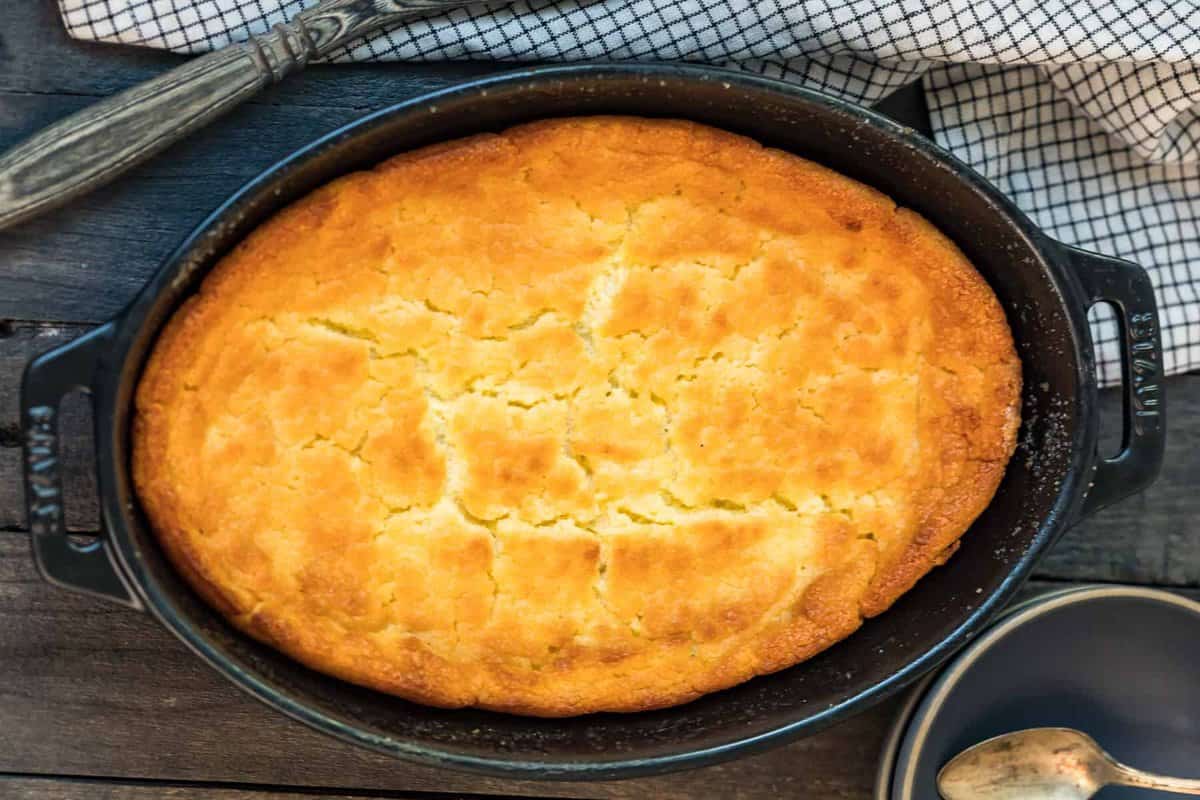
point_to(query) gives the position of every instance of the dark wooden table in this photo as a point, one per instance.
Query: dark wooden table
(100, 702)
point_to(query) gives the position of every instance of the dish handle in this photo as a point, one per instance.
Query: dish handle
(64, 561)
(1127, 287)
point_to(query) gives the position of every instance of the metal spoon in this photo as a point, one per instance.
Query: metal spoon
(1044, 764)
(93, 146)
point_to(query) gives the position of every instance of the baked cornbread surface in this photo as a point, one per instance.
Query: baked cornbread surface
(594, 414)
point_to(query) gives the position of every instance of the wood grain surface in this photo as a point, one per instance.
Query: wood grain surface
(62, 788)
(100, 702)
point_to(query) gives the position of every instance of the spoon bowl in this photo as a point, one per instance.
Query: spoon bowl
(1044, 764)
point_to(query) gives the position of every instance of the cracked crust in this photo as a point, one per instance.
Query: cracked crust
(594, 414)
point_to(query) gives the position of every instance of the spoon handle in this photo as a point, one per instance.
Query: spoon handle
(91, 147)
(1128, 776)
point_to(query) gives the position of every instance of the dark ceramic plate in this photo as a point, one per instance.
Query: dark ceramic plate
(1121, 663)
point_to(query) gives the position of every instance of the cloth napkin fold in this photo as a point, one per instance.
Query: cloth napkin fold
(1087, 114)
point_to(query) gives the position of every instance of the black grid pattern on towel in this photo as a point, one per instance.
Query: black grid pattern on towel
(1082, 186)
(1086, 113)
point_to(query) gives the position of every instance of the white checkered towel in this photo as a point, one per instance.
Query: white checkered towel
(1086, 113)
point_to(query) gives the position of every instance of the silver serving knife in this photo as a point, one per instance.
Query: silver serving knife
(91, 147)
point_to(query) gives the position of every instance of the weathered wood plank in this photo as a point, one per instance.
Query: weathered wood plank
(72, 669)
(94, 690)
(1152, 537)
(51, 788)
(98, 690)
(37, 57)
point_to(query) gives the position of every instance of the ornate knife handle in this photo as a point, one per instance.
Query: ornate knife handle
(93, 146)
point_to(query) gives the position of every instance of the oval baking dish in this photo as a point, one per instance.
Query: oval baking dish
(1055, 478)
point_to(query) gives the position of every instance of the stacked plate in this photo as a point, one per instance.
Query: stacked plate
(1119, 663)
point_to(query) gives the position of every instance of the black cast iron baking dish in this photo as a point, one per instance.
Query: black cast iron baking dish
(1055, 479)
